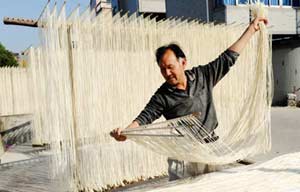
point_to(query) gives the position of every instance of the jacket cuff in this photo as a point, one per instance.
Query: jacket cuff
(140, 121)
(232, 54)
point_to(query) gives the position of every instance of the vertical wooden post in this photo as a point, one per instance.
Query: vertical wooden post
(71, 75)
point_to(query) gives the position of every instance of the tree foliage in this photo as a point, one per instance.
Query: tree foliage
(7, 58)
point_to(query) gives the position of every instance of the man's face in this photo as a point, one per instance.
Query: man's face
(171, 68)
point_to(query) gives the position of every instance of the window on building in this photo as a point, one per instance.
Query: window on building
(274, 2)
(286, 2)
(243, 1)
(219, 3)
(266, 2)
(296, 3)
(229, 2)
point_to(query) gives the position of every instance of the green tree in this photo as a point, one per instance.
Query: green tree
(7, 58)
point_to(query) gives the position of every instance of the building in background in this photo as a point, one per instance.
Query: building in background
(99, 5)
(21, 58)
(284, 23)
(152, 8)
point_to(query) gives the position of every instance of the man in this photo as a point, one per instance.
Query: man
(188, 91)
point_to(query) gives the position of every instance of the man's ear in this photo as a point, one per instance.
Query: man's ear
(183, 62)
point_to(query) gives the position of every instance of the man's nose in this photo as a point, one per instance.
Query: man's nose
(168, 72)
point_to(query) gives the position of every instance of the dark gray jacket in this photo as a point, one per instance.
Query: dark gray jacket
(172, 102)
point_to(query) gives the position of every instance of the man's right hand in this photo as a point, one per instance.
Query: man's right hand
(116, 133)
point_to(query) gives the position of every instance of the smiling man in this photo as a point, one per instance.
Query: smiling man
(188, 91)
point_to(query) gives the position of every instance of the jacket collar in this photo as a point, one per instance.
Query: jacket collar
(190, 78)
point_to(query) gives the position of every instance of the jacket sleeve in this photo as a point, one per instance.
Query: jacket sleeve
(153, 110)
(217, 69)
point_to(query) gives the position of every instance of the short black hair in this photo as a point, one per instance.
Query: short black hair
(173, 47)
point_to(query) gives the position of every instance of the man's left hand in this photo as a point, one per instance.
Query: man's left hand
(255, 23)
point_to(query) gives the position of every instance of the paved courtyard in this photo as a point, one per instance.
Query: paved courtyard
(26, 169)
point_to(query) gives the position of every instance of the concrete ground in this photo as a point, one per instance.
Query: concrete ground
(33, 176)
(26, 169)
(285, 131)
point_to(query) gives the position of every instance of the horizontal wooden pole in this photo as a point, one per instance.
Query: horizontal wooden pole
(20, 21)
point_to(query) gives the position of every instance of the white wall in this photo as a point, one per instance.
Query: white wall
(282, 20)
(153, 6)
(237, 14)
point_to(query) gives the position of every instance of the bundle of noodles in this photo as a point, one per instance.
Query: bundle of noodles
(97, 73)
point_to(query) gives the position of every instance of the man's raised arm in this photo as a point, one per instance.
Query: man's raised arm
(239, 45)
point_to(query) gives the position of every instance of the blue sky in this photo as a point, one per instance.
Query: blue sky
(18, 38)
